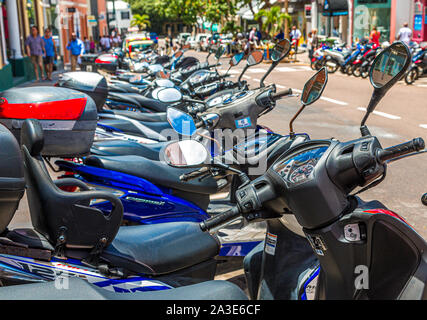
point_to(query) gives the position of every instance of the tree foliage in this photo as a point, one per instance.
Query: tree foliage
(273, 19)
(141, 21)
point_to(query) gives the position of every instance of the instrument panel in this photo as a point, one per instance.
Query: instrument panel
(298, 167)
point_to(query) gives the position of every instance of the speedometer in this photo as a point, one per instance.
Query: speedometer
(297, 168)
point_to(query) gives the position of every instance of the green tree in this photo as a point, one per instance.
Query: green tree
(141, 21)
(273, 19)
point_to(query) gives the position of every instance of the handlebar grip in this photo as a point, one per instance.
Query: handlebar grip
(414, 145)
(193, 174)
(280, 94)
(220, 219)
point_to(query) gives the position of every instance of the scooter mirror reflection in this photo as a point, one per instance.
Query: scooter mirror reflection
(390, 65)
(314, 87)
(255, 58)
(169, 95)
(235, 60)
(181, 122)
(280, 50)
(185, 153)
(163, 75)
(424, 199)
(177, 54)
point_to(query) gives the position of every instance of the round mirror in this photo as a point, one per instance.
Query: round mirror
(280, 50)
(186, 153)
(165, 83)
(235, 60)
(181, 122)
(314, 87)
(169, 95)
(390, 65)
(219, 52)
(255, 58)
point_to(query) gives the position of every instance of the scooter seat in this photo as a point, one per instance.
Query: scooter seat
(143, 102)
(124, 147)
(157, 172)
(161, 248)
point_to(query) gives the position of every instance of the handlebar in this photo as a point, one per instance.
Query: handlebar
(276, 96)
(220, 219)
(399, 150)
(194, 174)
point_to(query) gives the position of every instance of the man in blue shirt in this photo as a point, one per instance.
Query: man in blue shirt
(76, 47)
(50, 50)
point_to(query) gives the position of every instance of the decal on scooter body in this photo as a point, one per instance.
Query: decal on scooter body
(60, 270)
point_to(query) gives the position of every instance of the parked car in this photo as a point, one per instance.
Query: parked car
(196, 41)
(182, 37)
(136, 42)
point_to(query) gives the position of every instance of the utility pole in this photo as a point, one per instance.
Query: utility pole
(286, 20)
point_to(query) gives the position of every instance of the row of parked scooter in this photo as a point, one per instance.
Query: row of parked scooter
(141, 154)
(358, 59)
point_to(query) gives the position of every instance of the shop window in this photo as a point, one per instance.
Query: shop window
(370, 13)
(125, 15)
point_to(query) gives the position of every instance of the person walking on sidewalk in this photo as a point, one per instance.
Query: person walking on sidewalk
(295, 35)
(405, 34)
(50, 49)
(313, 42)
(35, 49)
(76, 48)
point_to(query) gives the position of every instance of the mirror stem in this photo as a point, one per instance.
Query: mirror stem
(243, 72)
(291, 128)
(273, 65)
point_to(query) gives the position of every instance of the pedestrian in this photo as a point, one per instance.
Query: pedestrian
(76, 48)
(252, 34)
(86, 44)
(375, 36)
(50, 49)
(35, 49)
(405, 34)
(296, 35)
(91, 45)
(280, 35)
(313, 42)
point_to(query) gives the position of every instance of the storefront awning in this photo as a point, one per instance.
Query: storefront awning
(335, 8)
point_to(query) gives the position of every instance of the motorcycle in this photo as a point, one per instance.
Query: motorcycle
(418, 67)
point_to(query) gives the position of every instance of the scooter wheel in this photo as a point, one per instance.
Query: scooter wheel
(424, 199)
(364, 74)
(313, 65)
(355, 70)
(331, 65)
(411, 76)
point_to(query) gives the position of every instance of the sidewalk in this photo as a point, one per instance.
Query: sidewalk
(46, 83)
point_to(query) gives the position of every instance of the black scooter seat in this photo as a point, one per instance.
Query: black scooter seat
(161, 248)
(143, 102)
(124, 147)
(157, 172)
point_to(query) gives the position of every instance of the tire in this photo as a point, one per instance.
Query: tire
(364, 74)
(332, 65)
(313, 65)
(411, 76)
(348, 70)
(355, 70)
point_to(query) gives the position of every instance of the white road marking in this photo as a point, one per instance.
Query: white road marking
(334, 101)
(247, 77)
(423, 126)
(286, 69)
(257, 80)
(280, 86)
(382, 114)
(421, 85)
(257, 70)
